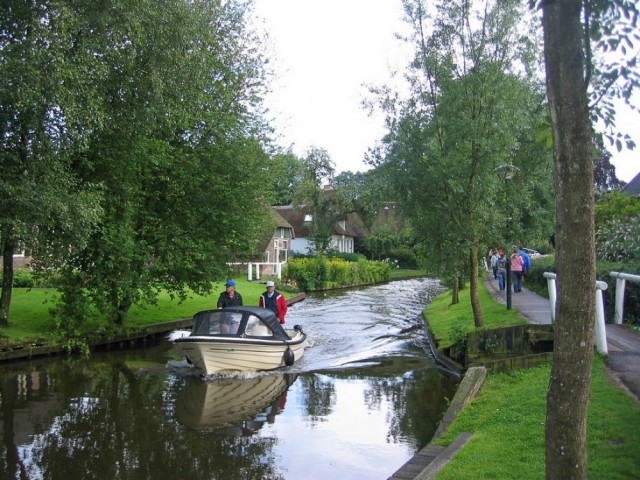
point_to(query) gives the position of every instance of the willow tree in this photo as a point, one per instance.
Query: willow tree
(472, 109)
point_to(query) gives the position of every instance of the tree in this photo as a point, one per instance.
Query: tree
(569, 69)
(604, 172)
(472, 109)
(178, 152)
(327, 205)
(287, 175)
(48, 106)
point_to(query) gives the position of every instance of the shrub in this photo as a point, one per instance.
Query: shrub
(405, 257)
(23, 279)
(619, 240)
(349, 257)
(318, 273)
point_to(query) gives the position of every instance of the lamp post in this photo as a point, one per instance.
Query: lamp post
(507, 171)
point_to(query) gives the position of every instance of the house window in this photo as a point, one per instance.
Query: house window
(282, 251)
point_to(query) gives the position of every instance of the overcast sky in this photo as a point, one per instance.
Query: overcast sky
(325, 52)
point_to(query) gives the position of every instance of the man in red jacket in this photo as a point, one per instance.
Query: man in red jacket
(274, 300)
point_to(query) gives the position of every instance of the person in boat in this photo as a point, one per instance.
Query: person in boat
(274, 301)
(230, 298)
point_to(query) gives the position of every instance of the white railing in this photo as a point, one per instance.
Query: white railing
(621, 282)
(601, 333)
(277, 268)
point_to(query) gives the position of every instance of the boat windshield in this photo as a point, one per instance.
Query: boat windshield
(217, 322)
(256, 327)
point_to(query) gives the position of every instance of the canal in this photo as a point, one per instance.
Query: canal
(363, 399)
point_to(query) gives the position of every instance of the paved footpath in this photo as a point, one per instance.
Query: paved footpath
(623, 344)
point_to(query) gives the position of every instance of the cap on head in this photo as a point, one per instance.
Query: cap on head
(270, 284)
(230, 283)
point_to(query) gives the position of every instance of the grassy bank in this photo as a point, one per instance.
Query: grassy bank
(507, 418)
(31, 323)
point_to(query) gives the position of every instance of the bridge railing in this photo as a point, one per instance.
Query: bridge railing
(601, 333)
(621, 282)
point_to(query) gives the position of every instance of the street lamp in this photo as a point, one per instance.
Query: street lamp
(507, 172)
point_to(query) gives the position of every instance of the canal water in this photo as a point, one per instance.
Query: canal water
(363, 399)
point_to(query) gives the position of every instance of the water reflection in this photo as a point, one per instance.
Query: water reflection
(365, 400)
(239, 405)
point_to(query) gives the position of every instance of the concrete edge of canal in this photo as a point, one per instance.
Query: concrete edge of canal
(425, 464)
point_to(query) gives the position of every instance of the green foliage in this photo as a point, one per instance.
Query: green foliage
(349, 257)
(326, 206)
(403, 257)
(619, 241)
(616, 206)
(393, 242)
(167, 121)
(473, 111)
(459, 333)
(617, 227)
(444, 318)
(317, 273)
(23, 279)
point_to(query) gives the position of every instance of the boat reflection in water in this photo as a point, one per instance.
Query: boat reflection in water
(231, 405)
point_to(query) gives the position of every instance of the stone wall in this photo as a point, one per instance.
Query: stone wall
(510, 347)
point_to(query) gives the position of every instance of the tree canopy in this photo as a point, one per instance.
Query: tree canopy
(153, 109)
(473, 109)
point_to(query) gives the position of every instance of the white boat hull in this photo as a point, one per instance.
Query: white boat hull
(228, 355)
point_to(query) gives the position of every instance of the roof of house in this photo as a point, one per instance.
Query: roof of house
(280, 221)
(295, 218)
(351, 225)
(633, 187)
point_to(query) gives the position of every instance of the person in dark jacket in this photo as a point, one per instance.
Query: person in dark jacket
(230, 298)
(274, 301)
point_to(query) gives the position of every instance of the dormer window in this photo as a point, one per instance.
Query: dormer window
(308, 218)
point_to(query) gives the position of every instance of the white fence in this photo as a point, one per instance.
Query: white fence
(621, 282)
(601, 333)
(277, 269)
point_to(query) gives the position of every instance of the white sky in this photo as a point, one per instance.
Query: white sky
(325, 52)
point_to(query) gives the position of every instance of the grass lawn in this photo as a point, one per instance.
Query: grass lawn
(30, 321)
(406, 273)
(507, 418)
(442, 316)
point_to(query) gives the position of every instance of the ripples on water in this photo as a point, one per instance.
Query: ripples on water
(354, 327)
(359, 403)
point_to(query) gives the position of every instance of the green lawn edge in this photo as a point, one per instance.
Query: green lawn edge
(507, 417)
(30, 322)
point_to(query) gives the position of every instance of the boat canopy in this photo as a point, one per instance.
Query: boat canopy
(238, 322)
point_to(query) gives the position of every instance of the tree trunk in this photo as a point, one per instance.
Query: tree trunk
(123, 310)
(478, 320)
(568, 394)
(455, 291)
(8, 250)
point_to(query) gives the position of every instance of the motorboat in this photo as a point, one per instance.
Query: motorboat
(239, 405)
(240, 339)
